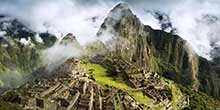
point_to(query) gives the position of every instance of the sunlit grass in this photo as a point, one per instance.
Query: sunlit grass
(101, 77)
(175, 91)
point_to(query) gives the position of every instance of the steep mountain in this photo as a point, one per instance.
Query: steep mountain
(137, 68)
(159, 51)
(178, 62)
(155, 50)
(129, 37)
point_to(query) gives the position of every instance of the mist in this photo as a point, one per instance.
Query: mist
(83, 18)
(12, 79)
(58, 54)
(57, 16)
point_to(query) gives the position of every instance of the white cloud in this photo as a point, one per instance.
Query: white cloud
(57, 16)
(2, 33)
(58, 54)
(38, 38)
(74, 16)
(24, 41)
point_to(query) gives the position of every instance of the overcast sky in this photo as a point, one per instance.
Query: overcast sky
(66, 16)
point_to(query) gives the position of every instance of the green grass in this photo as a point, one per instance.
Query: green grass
(175, 95)
(175, 90)
(119, 105)
(157, 107)
(101, 77)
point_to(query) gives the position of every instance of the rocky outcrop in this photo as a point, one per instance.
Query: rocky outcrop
(128, 37)
(70, 39)
(175, 58)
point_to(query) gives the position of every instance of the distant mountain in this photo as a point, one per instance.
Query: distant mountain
(11, 28)
(20, 47)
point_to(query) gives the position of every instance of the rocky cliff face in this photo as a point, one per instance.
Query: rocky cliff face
(159, 51)
(129, 37)
(175, 58)
(177, 61)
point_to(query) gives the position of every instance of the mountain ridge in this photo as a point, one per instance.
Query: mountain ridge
(166, 53)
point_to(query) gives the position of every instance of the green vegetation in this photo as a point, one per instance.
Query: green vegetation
(176, 92)
(9, 106)
(3, 68)
(200, 101)
(102, 78)
(157, 107)
(19, 57)
(209, 78)
(119, 105)
(175, 60)
(168, 70)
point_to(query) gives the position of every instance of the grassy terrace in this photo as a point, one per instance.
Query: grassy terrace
(176, 92)
(9, 106)
(102, 78)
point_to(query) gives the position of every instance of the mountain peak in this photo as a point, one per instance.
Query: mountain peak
(119, 11)
(119, 15)
(128, 36)
(120, 7)
(69, 38)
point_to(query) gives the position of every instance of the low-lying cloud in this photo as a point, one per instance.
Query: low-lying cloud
(57, 16)
(58, 54)
(11, 79)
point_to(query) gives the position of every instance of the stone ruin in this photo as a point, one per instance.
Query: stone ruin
(70, 88)
(148, 82)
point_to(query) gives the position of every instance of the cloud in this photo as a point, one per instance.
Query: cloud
(83, 17)
(11, 79)
(56, 16)
(192, 26)
(164, 20)
(59, 53)
(187, 16)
